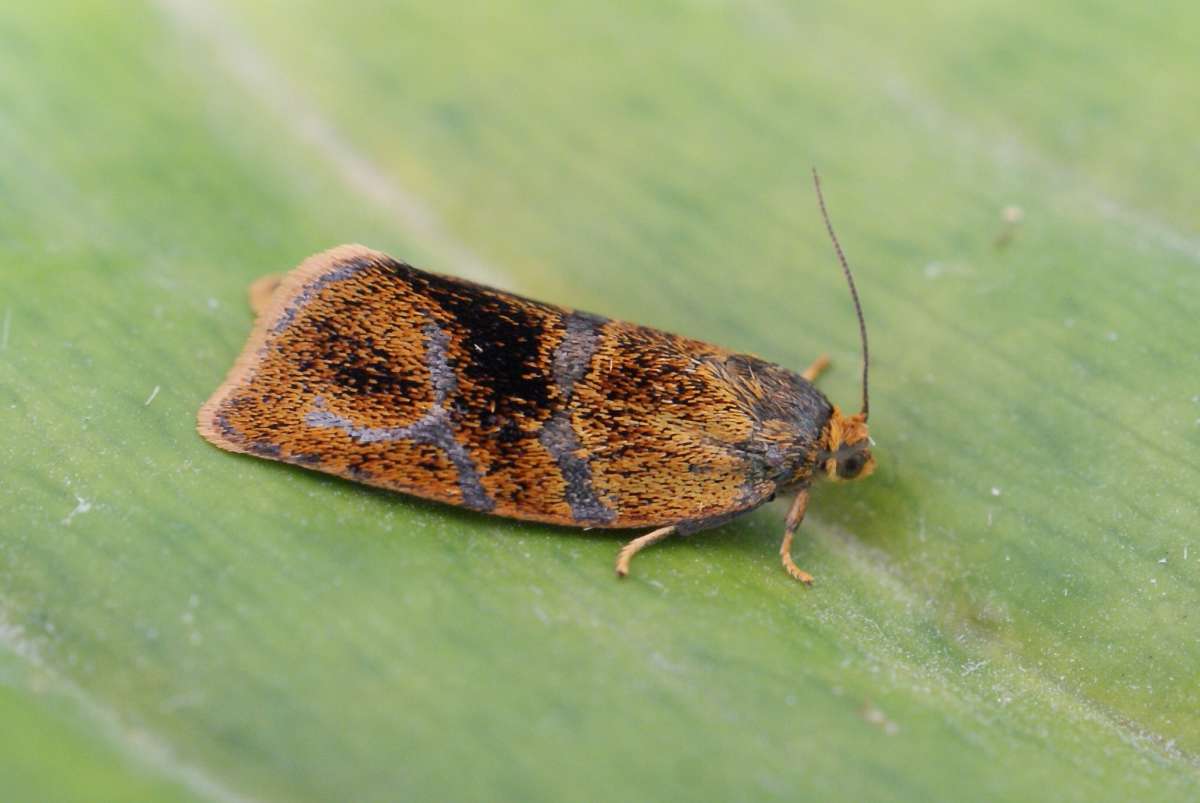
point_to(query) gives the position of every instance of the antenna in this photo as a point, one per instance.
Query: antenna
(862, 326)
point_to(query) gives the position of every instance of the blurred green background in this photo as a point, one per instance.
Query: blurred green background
(1007, 610)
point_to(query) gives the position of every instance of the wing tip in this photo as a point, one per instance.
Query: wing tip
(271, 297)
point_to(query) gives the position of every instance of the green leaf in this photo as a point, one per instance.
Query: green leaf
(61, 745)
(1005, 611)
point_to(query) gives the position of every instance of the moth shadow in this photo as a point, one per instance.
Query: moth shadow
(468, 518)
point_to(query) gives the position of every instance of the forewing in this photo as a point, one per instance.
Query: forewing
(366, 368)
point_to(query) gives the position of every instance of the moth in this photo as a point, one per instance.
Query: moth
(372, 370)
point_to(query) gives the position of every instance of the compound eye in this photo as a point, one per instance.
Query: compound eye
(852, 466)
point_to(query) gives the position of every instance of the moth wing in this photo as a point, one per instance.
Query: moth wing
(366, 368)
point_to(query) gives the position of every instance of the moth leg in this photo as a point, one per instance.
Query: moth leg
(261, 290)
(637, 545)
(816, 369)
(794, 517)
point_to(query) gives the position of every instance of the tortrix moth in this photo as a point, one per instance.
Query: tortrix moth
(369, 369)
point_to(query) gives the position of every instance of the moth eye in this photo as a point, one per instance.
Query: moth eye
(852, 466)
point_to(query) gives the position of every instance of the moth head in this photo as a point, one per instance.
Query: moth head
(845, 447)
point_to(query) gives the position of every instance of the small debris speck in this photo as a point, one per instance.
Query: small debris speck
(995, 491)
(82, 506)
(872, 715)
(152, 396)
(1012, 217)
(971, 667)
